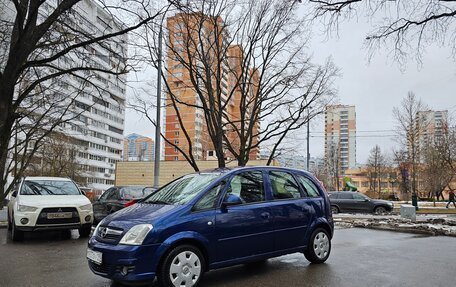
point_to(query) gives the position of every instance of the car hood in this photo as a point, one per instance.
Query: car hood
(138, 213)
(53, 200)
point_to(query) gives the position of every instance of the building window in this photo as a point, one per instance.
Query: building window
(176, 158)
(176, 133)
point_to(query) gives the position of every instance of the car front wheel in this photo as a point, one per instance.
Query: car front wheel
(334, 209)
(16, 235)
(319, 246)
(183, 266)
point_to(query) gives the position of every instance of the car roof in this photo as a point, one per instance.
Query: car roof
(237, 168)
(47, 178)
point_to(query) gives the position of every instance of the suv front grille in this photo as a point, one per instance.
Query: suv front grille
(43, 217)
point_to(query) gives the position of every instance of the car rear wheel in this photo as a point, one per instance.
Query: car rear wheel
(319, 246)
(183, 266)
(380, 210)
(334, 209)
(16, 235)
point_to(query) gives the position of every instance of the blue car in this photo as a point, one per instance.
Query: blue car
(214, 219)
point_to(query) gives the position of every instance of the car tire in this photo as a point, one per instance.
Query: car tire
(334, 209)
(380, 210)
(16, 235)
(184, 258)
(85, 231)
(319, 246)
(10, 226)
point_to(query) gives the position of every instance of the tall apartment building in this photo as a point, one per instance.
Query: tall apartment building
(432, 125)
(138, 148)
(340, 135)
(180, 85)
(98, 129)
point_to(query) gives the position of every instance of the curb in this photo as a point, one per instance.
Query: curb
(3, 224)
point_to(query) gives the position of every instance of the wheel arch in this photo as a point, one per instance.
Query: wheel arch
(185, 238)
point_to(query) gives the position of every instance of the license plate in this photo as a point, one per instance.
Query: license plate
(94, 256)
(59, 215)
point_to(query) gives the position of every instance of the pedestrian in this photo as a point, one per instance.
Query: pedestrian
(451, 199)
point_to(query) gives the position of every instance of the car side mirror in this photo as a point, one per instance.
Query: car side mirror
(230, 200)
(366, 200)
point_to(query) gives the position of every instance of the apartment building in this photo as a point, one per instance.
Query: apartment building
(138, 148)
(97, 109)
(181, 28)
(340, 136)
(433, 125)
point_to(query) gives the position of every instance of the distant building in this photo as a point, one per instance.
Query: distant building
(138, 148)
(340, 136)
(433, 126)
(297, 161)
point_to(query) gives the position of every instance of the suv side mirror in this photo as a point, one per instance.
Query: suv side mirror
(230, 200)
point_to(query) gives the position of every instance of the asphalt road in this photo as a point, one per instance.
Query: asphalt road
(360, 257)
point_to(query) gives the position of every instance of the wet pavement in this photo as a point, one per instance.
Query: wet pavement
(359, 257)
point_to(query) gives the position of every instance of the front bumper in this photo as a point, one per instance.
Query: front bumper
(34, 225)
(139, 260)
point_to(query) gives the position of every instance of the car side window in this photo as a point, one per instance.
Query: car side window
(284, 185)
(107, 194)
(333, 196)
(248, 186)
(345, 196)
(358, 196)
(309, 186)
(209, 200)
(114, 195)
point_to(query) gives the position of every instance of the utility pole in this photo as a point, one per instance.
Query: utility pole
(308, 139)
(157, 126)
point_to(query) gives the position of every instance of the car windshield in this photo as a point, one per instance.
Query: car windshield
(131, 192)
(49, 187)
(183, 189)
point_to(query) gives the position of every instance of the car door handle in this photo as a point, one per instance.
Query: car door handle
(265, 215)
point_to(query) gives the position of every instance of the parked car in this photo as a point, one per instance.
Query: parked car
(214, 219)
(48, 203)
(349, 201)
(118, 197)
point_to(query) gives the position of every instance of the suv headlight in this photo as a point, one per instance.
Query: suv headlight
(136, 234)
(87, 207)
(25, 208)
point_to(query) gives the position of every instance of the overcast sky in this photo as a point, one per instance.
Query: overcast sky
(374, 88)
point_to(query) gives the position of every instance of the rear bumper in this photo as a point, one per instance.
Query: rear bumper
(137, 259)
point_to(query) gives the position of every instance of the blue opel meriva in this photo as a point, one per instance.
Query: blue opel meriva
(214, 219)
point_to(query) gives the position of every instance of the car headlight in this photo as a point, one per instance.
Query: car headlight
(87, 207)
(136, 234)
(25, 208)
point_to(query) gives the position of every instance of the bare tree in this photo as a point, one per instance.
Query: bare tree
(406, 27)
(376, 167)
(42, 42)
(242, 64)
(332, 164)
(410, 125)
(57, 157)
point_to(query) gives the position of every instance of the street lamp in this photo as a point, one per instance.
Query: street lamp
(157, 126)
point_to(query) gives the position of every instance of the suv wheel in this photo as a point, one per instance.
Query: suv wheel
(380, 210)
(183, 266)
(319, 246)
(85, 231)
(10, 226)
(16, 235)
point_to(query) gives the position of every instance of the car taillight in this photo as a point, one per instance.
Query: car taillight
(131, 202)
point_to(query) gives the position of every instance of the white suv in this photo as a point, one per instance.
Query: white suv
(48, 203)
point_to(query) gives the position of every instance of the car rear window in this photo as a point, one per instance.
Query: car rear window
(49, 187)
(131, 192)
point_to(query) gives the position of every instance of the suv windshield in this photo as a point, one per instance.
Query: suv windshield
(49, 187)
(183, 189)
